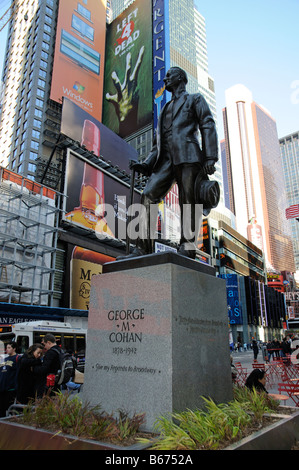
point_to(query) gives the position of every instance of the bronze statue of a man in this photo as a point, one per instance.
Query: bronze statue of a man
(177, 157)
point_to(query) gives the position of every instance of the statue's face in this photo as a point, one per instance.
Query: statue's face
(172, 79)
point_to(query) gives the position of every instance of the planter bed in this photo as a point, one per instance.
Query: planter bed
(280, 435)
(15, 436)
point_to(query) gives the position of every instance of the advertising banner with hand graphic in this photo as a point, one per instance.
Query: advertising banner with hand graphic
(127, 99)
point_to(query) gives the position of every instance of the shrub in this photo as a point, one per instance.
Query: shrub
(68, 415)
(217, 423)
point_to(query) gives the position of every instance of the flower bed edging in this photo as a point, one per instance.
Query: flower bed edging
(281, 435)
(14, 436)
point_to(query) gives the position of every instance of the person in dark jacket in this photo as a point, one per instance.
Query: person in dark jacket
(46, 372)
(286, 351)
(255, 349)
(257, 380)
(26, 380)
(8, 378)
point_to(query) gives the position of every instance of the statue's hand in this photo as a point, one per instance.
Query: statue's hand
(139, 167)
(209, 167)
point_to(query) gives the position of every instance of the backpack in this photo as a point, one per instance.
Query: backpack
(67, 368)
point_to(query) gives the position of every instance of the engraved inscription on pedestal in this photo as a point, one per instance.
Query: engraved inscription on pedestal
(157, 340)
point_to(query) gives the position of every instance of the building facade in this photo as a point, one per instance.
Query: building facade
(256, 185)
(26, 132)
(289, 150)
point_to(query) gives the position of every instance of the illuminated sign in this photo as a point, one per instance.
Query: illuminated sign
(161, 55)
(233, 303)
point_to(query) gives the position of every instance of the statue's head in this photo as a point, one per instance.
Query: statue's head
(174, 77)
(181, 72)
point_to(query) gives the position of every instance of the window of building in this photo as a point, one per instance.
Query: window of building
(34, 144)
(37, 123)
(31, 167)
(33, 156)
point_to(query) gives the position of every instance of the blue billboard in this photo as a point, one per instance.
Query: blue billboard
(234, 307)
(161, 55)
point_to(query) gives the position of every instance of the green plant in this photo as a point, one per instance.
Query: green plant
(128, 426)
(255, 402)
(62, 413)
(217, 423)
(172, 436)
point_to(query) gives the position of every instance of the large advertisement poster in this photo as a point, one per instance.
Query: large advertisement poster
(78, 68)
(83, 265)
(94, 200)
(97, 138)
(127, 101)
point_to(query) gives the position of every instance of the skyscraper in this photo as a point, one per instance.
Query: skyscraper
(27, 133)
(256, 187)
(289, 150)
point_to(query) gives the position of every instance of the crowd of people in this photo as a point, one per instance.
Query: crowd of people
(29, 376)
(273, 349)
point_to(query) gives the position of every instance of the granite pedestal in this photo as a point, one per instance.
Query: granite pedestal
(157, 337)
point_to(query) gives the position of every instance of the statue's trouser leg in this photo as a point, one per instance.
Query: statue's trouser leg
(158, 185)
(190, 215)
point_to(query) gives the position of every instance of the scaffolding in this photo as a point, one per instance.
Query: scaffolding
(29, 226)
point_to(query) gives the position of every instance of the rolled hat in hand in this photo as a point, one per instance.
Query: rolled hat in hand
(207, 193)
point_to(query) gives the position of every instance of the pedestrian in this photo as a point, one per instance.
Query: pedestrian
(26, 390)
(8, 378)
(46, 372)
(285, 351)
(270, 349)
(256, 380)
(255, 350)
(276, 347)
(71, 386)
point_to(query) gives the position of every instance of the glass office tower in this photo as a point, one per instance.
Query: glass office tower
(257, 190)
(289, 150)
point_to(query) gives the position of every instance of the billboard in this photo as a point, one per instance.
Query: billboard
(94, 199)
(233, 302)
(83, 265)
(89, 132)
(127, 100)
(78, 69)
(161, 55)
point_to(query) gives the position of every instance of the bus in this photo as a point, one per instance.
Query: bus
(25, 334)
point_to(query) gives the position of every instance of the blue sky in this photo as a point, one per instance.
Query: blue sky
(253, 42)
(256, 43)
